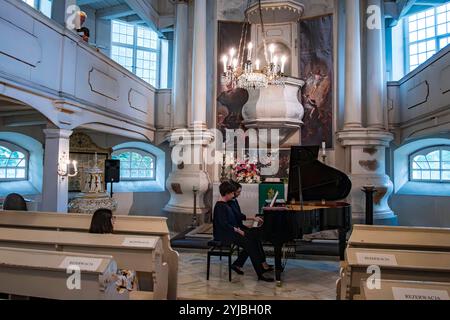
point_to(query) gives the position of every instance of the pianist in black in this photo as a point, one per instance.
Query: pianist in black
(226, 230)
(251, 232)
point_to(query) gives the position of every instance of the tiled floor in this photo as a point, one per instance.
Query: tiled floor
(302, 280)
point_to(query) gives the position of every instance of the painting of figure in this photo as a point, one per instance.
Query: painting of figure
(316, 68)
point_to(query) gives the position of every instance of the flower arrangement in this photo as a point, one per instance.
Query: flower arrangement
(246, 172)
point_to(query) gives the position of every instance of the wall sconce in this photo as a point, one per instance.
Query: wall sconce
(67, 168)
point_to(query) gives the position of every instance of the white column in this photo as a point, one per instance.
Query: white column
(199, 66)
(55, 191)
(180, 74)
(352, 114)
(375, 72)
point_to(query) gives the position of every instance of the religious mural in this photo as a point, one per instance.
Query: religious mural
(316, 68)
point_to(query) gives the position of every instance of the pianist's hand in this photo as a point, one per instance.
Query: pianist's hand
(259, 220)
(239, 231)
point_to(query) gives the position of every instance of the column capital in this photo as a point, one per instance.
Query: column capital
(365, 137)
(57, 133)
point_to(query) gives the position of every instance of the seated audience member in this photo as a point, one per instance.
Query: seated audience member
(226, 230)
(14, 202)
(251, 232)
(103, 223)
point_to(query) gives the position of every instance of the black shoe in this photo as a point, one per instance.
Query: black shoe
(262, 278)
(237, 270)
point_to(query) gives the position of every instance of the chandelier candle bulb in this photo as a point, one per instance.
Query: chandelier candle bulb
(257, 62)
(275, 61)
(225, 63)
(232, 53)
(283, 62)
(324, 151)
(272, 51)
(235, 64)
(250, 48)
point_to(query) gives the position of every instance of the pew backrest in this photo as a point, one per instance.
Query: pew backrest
(142, 254)
(53, 275)
(402, 238)
(406, 290)
(127, 225)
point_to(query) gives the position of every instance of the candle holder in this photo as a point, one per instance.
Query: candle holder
(324, 158)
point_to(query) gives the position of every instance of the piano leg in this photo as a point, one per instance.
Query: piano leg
(278, 267)
(342, 243)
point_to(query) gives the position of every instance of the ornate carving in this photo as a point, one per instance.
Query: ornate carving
(81, 142)
(90, 205)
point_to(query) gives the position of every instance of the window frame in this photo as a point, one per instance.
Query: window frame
(142, 153)
(436, 38)
(37, 6)
(135, 48)
(13, 148)
(425, 151)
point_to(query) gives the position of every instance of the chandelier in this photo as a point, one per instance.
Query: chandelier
(251, 74)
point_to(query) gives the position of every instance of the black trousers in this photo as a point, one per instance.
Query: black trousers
(252, 247)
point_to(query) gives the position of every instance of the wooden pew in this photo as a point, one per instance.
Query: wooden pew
(142, 254)
(427, 266)
(130, 225)
(402, 238)
(407, 290)
(43, 274)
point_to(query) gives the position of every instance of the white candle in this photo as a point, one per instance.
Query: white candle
(257, 64)
(225, 63)
(283, 62)
(324, 145)
(235, 63)
(275, 60)
(250, 48)
(232, 53)
(272, 51)
(75, 166)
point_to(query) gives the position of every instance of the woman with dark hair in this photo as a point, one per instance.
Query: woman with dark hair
(102, 222)
(251, 232)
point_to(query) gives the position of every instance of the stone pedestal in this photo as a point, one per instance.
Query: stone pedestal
(85, 203)
(366, 159)
(188, 174)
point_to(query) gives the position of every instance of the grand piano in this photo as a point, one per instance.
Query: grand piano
(313, 204)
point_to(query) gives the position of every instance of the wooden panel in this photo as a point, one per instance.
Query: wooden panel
(103, 84)
(43, 274)
(407, 290)
(437, 239)
(27, 50)
(126, 225)
(137, 101)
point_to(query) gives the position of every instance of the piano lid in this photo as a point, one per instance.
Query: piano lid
(318, 181)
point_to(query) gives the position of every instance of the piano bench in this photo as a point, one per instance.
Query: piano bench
(217, 249)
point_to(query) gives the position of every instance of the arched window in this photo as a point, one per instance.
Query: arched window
(13, 162)
(135, 164)
(430, 165)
